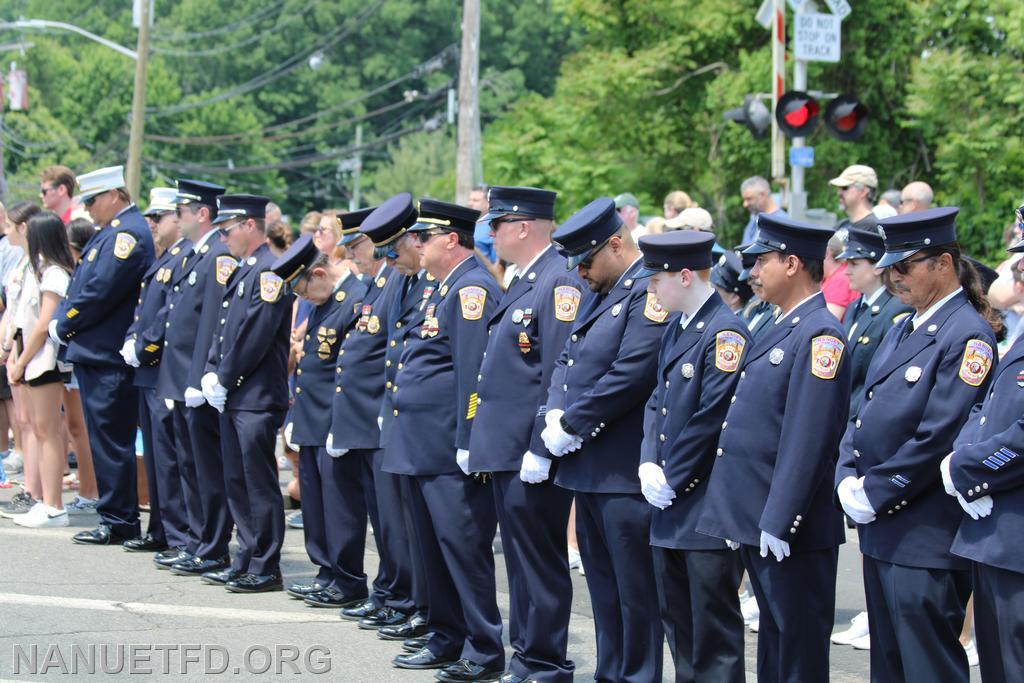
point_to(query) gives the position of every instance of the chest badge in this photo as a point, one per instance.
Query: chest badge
(1020, 380)
(527, 317)
(241, 288)
(687, 370)
(912, 374)
(524, 343)
(373, 325)
(616, 309)
(776, 355)
(192, 277)
(517, 316)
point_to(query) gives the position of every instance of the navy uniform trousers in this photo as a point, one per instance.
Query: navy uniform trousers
(343, 488)
(248, 440)
(155, 526)
(168, 518)
(998, 622)
(111, 406)
(206, 446)
(176, 468)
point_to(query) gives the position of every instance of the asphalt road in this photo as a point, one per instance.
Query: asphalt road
(66, 608)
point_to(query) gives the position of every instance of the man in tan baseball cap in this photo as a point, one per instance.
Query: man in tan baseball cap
(857, 186)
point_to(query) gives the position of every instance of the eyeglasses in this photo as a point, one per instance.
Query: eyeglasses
(589, 261)
(91, 200)
(225, 230)
(43, 191)
(903, 267)
(424, 235)
(498, 222)
(321, 230)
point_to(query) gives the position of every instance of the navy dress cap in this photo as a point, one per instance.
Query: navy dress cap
(198, 192)
(519, 201)
(390, 220)
(863, 244)
(350, 223)
(748, 260)
(587, 230)
(296, 258)
(241, 206)
(726, 275)
(910, 233)
(673, 251)
(787, 236)
(435, 214)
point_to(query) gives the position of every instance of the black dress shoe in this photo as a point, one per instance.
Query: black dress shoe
(197, 566)
(360, 611)
(422, 659)
(512, 678)
(219, 578)
(101, 535)
(465, 671)
(385, 616)
(416, 644)
(301, 590)
(144, 544)
(414, 628)
(331, 597)
(170, 557)
(256, 583)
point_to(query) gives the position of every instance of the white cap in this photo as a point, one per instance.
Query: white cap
(161, 200)
(97, 182)
(690, 219)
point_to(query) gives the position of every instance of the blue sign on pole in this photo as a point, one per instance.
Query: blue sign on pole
(801, 156)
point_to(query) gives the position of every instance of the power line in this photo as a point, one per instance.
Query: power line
(227, 28)
(279, 71)
(220, 49)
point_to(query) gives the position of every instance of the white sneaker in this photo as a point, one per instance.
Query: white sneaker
(82, 506)
(750, 610)
(42, 516)
(575, 561)
(754, 625)
(14, 463)
(972, 653)
(862, 643)
(858, 628)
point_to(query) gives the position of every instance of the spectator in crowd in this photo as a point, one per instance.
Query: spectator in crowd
(10, 255)
(37, 366)
(916, 196)
(757, 198)
(279, 237)
(56, 188)
(629, 211)
(890, 198)
(482, 237)
(676, 202)
(856, 187)
(273, 213)
(656, 225)
(836, 283)
(693, 218)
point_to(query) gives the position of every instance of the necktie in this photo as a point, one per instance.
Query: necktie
(410, 282)
(905, 332)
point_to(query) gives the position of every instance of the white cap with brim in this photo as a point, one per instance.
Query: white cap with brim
(161, 200)
(97, 182)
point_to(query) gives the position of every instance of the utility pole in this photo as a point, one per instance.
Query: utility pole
(134, 169)
(357, 172)
(468, 160)
(778, 85)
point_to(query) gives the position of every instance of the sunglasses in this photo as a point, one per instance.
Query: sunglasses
(43, 191)
(179, 211)
(589, 261)
(424, 235)
(90, 201)
(903, 267)
(226, 230)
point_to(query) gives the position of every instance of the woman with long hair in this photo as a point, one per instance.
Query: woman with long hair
(37, 365)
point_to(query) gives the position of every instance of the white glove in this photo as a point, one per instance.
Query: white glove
(982, 507)
(128, 353)
(553, 416)
(462, 458)
(213, 392)
(654, 486)
(855, 501)
(331, 450)
(380, 422)
(732, 545)
(193, 397)
(947, 479)
(535, 468)
(51, 330)
(169, 404)
(557, 440)
(778, 547)
(288, 436)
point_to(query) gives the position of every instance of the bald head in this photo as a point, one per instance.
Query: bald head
(916, 196)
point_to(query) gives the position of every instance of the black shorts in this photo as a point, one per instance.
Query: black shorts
(5, 387)
(49, 377)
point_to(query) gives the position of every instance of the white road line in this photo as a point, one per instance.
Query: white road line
(311, 614)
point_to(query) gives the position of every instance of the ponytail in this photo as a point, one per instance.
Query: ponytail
(971, 282)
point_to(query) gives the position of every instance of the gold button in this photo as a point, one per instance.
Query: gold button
(387, 364)
(298, 390)
(392, 344)
(388, 385)
(398, 324)
(299, 371)
(396, 413)
(337, 390)
(400, 365)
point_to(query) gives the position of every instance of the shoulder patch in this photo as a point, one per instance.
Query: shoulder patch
(567, 303)
(225, 266)
(729, 350)
(976, 363)
(123, 244)
(653, 310)
(826, 352)
(270, 286)
(472, 300)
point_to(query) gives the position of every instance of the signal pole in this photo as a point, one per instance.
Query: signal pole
(468, 161)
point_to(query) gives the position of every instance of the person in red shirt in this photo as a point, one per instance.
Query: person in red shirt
(56, 187)
(835, 286)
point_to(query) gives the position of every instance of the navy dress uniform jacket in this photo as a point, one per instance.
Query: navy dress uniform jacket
(872, 323)
(359, 374)
(314, 380)
(918, 394)
(194, 305)
(403, 312)
(776, 454)
(97, 311)
(987, 461)
(438, 370)
(249, 352)
(526, 334)
(602, 381)
(698, 369)
(148, 320)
